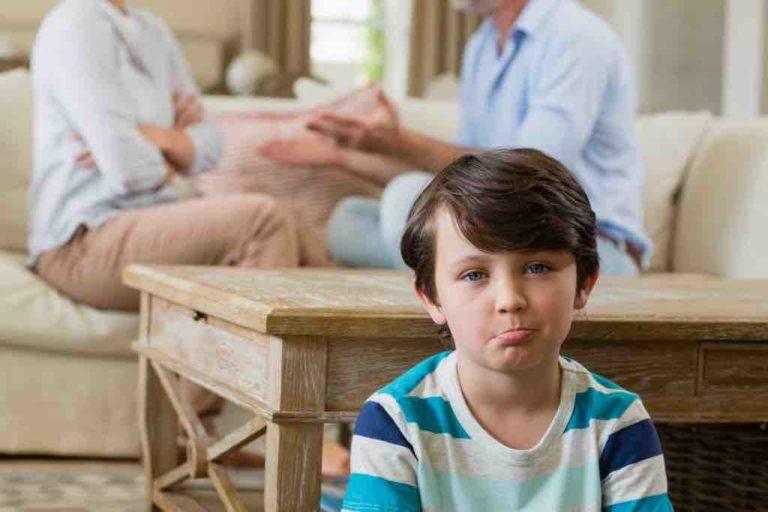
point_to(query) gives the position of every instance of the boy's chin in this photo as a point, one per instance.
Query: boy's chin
(512, 359)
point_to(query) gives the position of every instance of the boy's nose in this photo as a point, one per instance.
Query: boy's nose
(509, 298)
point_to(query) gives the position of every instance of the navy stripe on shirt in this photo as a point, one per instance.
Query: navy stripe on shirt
(375, 423)
(631, 444)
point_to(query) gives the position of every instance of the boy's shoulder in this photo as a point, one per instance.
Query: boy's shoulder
(418, 400)
(422, 379)
(598, 399)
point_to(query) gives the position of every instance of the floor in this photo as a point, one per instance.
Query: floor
(38, 485)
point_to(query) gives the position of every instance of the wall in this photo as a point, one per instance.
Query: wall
(207, 30)
(676, 47)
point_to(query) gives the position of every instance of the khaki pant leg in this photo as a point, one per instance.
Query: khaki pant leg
(248, 230)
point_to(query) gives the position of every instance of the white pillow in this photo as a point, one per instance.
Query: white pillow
(721, 228)
(667, 143)
(435, 118)
(33, 315)
(15, 157)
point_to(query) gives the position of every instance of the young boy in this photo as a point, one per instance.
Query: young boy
(503, 247)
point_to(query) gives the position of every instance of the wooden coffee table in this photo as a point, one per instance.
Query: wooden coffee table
(304, 347)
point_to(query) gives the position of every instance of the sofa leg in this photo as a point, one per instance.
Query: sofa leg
(158, 425)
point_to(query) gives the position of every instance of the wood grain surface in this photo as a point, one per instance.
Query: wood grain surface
(379, 303)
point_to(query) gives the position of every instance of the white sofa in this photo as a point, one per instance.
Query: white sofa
(68, 376)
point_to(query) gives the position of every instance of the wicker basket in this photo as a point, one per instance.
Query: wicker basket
(716, 467)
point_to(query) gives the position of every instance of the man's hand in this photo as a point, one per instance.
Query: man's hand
(187, 110)
(308, 150)
(378, 132)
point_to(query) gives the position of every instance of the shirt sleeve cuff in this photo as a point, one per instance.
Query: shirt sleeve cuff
(208, 142)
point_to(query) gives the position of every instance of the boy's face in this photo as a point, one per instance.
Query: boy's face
(506, 311)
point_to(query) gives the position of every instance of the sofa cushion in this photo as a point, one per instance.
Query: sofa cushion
(33, 315)
(667, 143)
(437, 118)
(724, 206)
(15, 157)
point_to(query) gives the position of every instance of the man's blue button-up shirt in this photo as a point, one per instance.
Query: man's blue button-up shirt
(563, 85)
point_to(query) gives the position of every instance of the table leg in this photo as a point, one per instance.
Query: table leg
(292, 479)
(158, 426)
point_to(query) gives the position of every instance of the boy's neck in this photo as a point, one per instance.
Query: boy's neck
(496, 397)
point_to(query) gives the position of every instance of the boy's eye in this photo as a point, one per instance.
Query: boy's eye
(474, 275)
(536, 268)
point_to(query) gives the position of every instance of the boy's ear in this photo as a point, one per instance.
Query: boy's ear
(582, 296)
(433, 309)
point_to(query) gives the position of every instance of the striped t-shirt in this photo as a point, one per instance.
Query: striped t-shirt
(417, 446)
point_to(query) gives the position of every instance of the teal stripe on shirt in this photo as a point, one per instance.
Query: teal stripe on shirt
(566, 488)
(433, 414)
(595, 405)
(366, 490)
(658, 503)
(408, 381)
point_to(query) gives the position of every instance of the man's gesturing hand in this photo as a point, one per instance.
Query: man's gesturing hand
(377, 132)
(310, 150)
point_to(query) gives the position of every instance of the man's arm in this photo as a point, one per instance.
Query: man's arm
(383, 465)
(318, 151)
(382, 134)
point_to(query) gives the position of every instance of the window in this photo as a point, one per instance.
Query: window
(348, 43)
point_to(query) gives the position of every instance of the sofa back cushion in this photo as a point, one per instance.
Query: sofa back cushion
(667, 143)
(724, 205)
(15, 157)
(437, 118)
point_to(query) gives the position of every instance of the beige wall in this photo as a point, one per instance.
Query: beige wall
(676, 47)
(209, 30)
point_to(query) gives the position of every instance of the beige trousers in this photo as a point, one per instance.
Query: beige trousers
(248, 230)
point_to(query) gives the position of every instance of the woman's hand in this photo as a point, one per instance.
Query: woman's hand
(175, 145)
(378, 132)
(308, 150)
(188, 110)
(84, 157)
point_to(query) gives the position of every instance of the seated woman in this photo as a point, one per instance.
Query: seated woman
(117, 116)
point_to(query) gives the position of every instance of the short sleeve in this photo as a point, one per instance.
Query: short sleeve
(383, 465)
(632, 467)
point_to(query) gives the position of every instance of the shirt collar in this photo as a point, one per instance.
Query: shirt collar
(127, 25)
(534, 14)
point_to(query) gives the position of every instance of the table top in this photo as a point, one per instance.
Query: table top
(382, 302)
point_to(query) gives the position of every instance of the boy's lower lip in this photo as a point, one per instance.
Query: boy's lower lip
(516, 337)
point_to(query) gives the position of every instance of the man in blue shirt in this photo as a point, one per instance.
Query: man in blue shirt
(544, 74)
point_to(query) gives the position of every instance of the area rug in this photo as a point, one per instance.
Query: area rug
(90, 487)
(86, 486)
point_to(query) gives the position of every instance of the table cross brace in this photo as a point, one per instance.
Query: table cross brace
(203, 452)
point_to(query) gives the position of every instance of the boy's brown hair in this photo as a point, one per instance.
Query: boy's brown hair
(504, 200)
